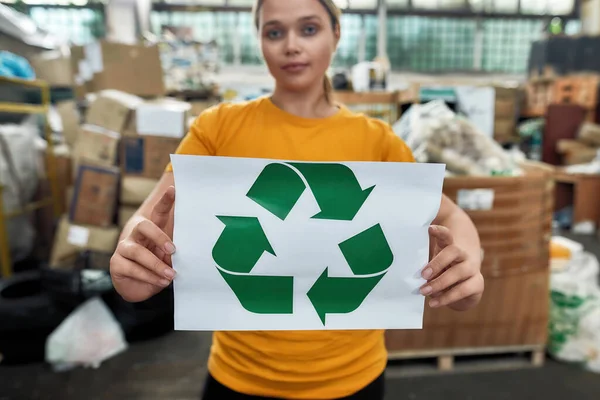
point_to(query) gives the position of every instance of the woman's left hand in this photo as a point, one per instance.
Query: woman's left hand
(453, 275)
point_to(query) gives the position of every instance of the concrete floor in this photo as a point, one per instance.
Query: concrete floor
(173, 367)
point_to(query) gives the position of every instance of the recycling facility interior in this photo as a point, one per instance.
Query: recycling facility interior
(96, 95)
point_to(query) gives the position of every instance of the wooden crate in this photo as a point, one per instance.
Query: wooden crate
(515, 232)
(513, 312)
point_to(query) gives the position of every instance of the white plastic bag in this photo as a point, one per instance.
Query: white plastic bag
(19, 175)
(87, 337)
(575, 312)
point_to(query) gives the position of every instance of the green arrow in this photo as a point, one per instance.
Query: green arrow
(263, 294)
(340, 295)
(368, 252)
(241, 244)
(335, 188)
(277, 189)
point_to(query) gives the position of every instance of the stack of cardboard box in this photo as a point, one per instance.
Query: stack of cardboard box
(584, 149)
(117, 156)
(155, 134)
(102, 65)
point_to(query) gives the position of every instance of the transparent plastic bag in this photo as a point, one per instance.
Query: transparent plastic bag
(87, 337)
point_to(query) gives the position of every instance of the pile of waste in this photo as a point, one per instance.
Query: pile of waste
(438, 135)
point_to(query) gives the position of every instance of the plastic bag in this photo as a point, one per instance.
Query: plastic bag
(575, 313)
(19, 165)
(87, 337)
(436, 134)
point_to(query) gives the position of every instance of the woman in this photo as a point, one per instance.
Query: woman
(298, 122)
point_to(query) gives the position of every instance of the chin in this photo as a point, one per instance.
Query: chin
(298, 84)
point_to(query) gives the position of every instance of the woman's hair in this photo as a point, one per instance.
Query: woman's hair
(334, 14)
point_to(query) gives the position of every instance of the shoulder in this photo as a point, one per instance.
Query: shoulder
(379, 132)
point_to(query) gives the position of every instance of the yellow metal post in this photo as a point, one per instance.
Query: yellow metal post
(50, 157)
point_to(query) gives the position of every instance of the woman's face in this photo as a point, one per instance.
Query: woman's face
(297, 42)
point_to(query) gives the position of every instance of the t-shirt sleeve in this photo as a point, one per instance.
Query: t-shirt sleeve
(201, 138)
(395, 149)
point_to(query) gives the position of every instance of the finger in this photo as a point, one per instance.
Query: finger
(163, 256)
(461, 291)
(125, 268)
(141, 255)
(162, 209)
(446, 280)
(442, 235)
(445, 258)
(148, 230)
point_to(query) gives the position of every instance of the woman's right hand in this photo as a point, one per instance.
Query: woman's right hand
(141, 265)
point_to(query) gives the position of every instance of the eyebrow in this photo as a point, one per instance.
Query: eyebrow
(307, 18)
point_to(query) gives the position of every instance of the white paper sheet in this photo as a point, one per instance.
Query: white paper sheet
(402, 204)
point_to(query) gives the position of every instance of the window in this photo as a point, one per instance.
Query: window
(393, 4)
(363, 4)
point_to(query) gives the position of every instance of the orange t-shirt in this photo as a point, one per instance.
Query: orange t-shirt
(294, 364)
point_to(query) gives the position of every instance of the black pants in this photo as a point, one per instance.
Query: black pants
(213, 390)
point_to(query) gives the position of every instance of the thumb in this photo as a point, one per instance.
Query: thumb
(162, 209)
(442, 235)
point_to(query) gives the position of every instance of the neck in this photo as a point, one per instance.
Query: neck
(307, 104)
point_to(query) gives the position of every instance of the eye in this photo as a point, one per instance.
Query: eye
(274, 34)
(309, 30)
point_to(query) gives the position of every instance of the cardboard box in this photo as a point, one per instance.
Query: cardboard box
(582, 156)
(165, 117)
(69, 198)
(147, 156)
(95, 146)
(575, 152)
(71, 239)
(135, 190)
(70, 121)
(95, 196)
(135, 69)
(505, 130)
(65, 179)
(589, 133)
(125, 214)
(505, 108)
(112, 110)
(54, 68)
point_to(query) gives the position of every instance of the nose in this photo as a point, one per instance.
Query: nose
(292, 46)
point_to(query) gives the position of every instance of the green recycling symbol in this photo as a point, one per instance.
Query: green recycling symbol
(339, 197)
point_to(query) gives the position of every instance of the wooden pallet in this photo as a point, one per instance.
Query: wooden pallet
(467, 360)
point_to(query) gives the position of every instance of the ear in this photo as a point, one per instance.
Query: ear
(337, 34)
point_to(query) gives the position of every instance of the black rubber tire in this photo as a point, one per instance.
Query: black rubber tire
(28, 316)
(145, 320)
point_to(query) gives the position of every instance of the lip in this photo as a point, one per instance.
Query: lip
(294, 67)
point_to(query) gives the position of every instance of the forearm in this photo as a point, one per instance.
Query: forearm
(464, 232)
